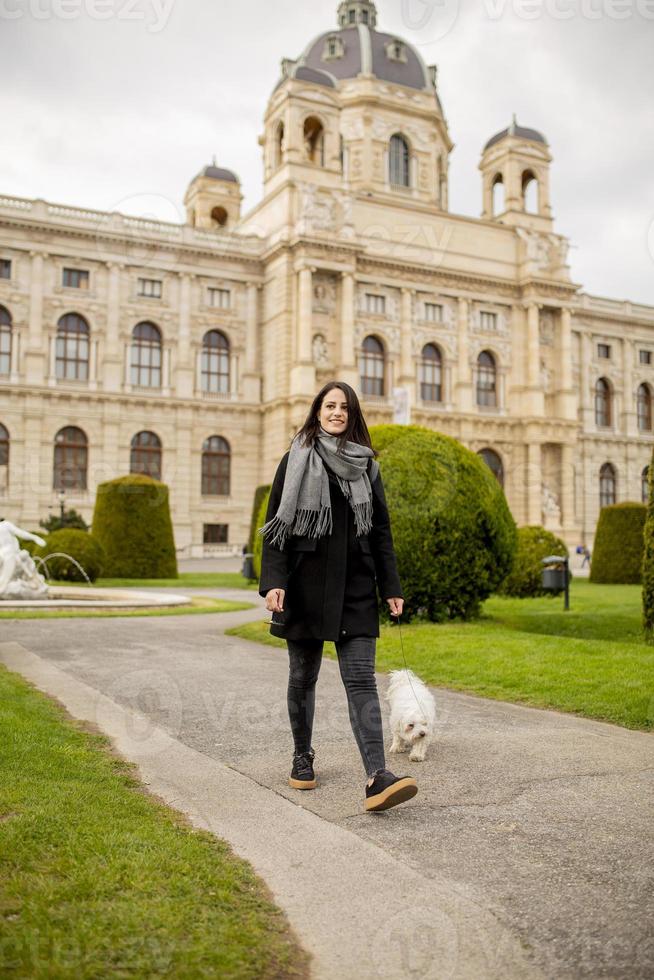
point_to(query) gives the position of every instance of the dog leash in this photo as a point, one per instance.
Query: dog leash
(397, 619)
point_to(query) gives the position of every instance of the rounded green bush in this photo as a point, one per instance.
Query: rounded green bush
(31, 546)
(132, 522)
(525, 577)
(452, 528)
(81, 546)
(618, 547)
(258, 538)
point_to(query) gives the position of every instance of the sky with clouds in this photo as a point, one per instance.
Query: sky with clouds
(116, 104)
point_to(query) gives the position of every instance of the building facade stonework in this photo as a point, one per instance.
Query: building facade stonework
(192, 351)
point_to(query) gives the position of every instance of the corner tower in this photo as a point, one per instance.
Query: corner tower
(516, 178)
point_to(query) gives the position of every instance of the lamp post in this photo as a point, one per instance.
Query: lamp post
(62, 504)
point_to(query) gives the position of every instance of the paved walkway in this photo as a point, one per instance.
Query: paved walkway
(526, 853)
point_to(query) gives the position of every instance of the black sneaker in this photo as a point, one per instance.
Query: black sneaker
(387, 790)
(302, 775)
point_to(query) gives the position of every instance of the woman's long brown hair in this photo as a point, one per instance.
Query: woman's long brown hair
(356, 431)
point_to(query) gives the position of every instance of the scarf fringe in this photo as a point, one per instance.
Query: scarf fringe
(307, 523)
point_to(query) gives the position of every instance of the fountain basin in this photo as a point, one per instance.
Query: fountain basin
(82, 597)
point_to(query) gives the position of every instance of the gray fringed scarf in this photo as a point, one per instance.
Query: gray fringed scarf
(305, 506)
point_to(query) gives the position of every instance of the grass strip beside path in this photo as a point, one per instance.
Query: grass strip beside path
(199, 605)
(99, 879)
(590, 661)
(189, 580)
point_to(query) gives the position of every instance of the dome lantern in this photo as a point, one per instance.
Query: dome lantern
(353, 12)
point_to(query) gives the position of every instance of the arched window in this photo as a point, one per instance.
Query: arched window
(219, 216)
(216, 466)
(70, 459)
(314, 140)
(644, 407)
(607, 485)
(398, 161)
(602, 402)
(146, 356)
(431, 387)
(644, 485)
(530, 192)
(72, 348)
(494, 463)
(371, 367)
(497, 194)
(4, 458)
(486, 379)
(5, 341)
(145, 454)
(215, 362)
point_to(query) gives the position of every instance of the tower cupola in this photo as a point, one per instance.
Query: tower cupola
(353, 12)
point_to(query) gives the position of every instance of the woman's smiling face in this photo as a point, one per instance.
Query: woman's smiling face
(333, 412)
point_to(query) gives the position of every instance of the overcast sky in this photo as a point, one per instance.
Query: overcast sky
(116, 104)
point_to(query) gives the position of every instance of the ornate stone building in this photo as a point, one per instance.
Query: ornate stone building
(191, 351)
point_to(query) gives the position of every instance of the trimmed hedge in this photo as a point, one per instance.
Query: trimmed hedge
(257, 550)
(259, 494)
(81, 546)
(525, 577)
(132, 522)
(648, 559)
(618, 547)
(454, 535)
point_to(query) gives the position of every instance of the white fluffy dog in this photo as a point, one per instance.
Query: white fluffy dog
(413, 714)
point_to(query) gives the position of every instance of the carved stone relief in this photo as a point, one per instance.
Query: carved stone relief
(324, 294)
(546, 328)
(320, 350)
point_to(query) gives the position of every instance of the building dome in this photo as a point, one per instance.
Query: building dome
(522, 132)
(218, 173)
(356, 48)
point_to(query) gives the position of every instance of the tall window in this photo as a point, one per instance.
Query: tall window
(279, 144)
(70, 459)
(494, 463)
(314, 140)
(371, 367)
(146, 356)
(4, 458)
(216, 466)
(644, 406)
(215, 362)
(398, 161)
(5, 268)
(607, 485)
(602, 402)
(488, 321)
(431, 388)
(72, 348)
(145, 454)
(644, 485)
(486, 379)
(5, 341)
(215, 533)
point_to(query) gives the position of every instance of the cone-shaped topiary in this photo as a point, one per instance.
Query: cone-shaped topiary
(257, 550)
(648, 559)
(618, 547)
(132, 523)
(259, 494)
(81, 546)
(454, 535)
(526, 575)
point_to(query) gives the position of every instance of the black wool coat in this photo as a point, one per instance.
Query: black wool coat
(331, 582)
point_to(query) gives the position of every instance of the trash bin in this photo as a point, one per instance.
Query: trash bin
(247, 571)
(556, 576)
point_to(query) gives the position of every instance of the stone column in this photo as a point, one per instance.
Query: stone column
(303, 373)
(36, 353)
(183, 383)
(534, 483)
(464, 373)
(566, 402)
(349, 371)
(407, 377)
(587, 406)
(14, 366)
(251, 376)
(535, 401)
(568, 521)
(112, 367)
(629, 424)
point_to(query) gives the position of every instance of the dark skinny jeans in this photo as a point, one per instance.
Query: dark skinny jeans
(356, 661)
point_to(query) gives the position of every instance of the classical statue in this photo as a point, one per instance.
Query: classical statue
(19, 578)
(550, 507)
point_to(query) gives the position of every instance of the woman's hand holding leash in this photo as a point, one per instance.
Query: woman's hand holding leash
(396, 606)
(275, 600)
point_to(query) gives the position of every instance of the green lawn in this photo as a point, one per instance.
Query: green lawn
(590, 661)
(98, 879)
(199, 605)
(199, 580)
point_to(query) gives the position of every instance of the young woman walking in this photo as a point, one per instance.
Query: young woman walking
(327, 547)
